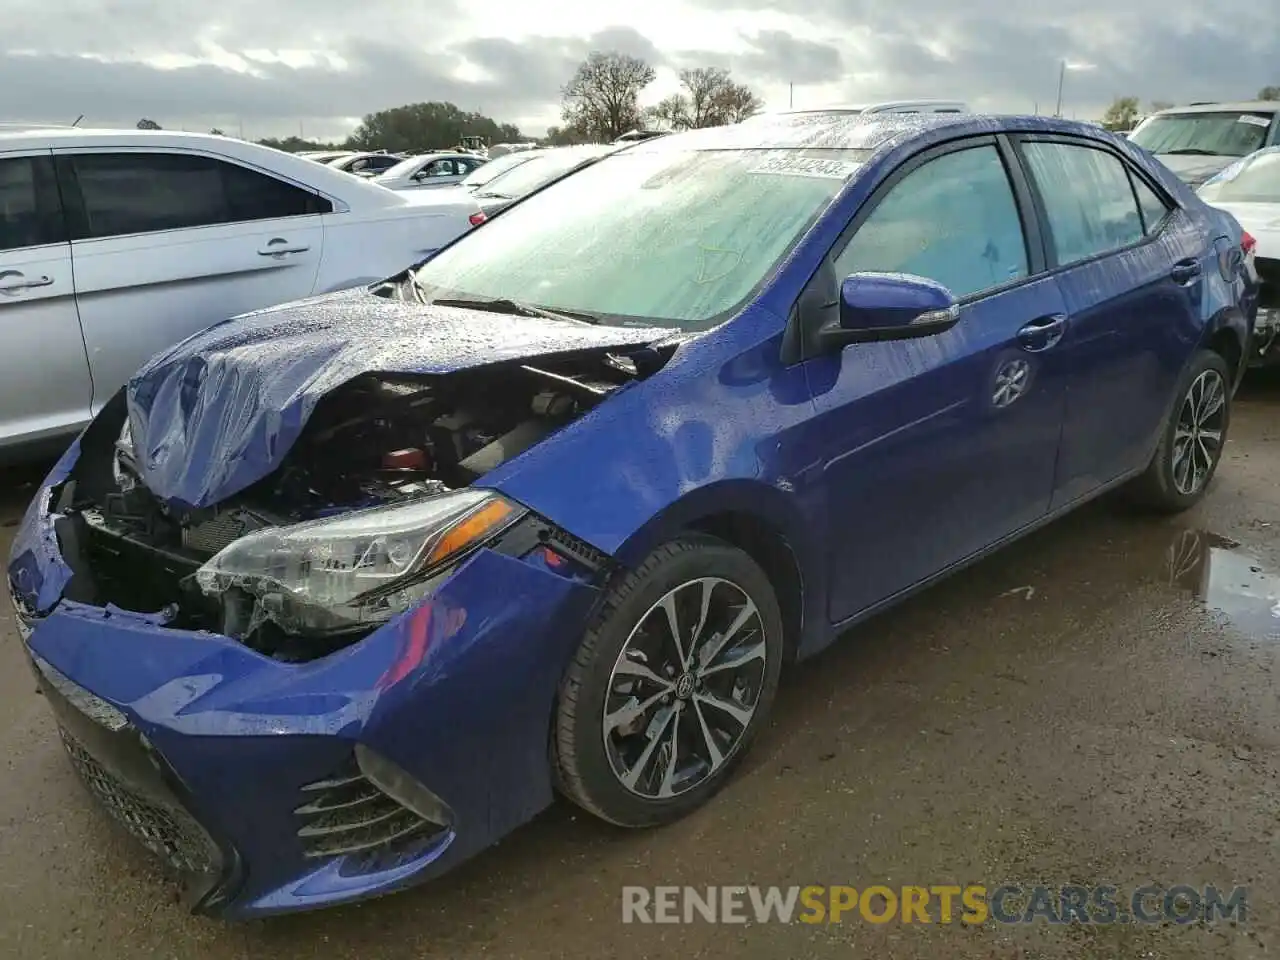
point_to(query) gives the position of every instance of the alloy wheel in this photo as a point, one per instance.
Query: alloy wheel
(1197, 437)
(684, 688)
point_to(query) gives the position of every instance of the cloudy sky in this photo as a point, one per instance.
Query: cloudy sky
(277, 67)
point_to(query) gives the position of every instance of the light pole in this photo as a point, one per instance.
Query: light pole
(1062, 72)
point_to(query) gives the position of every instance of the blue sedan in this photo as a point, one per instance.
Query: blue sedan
(335, 595)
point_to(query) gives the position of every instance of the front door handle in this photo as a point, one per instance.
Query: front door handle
(1185, 271)
(13, 281)
(1043, 333)
(279, 247)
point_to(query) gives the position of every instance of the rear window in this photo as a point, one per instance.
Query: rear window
(1230, 133)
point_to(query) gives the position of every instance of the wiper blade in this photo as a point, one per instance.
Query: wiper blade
(518, 307)
(492, 196)
(1193, 152)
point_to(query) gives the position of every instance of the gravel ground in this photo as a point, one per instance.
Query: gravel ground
(1095, 705)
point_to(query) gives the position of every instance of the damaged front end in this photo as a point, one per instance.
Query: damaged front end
(371, 506)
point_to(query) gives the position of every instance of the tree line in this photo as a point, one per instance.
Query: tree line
(600, 102)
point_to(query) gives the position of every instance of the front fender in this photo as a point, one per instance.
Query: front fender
(723, 428)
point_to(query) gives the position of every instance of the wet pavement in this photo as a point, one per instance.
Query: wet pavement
(1097, 704)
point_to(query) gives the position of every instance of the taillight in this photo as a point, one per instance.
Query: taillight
(1247, 242)
(479, 218)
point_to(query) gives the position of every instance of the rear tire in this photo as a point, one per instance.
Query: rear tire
(648, 727)
(1190, 448)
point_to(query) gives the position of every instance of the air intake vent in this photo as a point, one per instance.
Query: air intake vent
(347, 815)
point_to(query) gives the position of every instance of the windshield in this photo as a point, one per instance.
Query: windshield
(528, 177)
(496, 167)
(661, 238)
(1228, 134)
(1255, 179)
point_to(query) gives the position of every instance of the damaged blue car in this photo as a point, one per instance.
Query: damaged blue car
(334, 595)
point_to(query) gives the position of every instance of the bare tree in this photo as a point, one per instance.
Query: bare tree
(603, 96)
(736, 103)
(145, 124)
(1122, 114)
(1269, 93)
(710, 99)
(672, 112)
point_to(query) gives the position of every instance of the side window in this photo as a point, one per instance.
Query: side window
(1152, 205)
(257, 196)
(952, 219)
(440, 168)
(1087, 197)
(30, 213)
(144, 192)
(125, 193)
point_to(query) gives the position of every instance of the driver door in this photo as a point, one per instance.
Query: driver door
(938, 447)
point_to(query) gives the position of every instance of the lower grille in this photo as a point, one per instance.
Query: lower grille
(347, 815)
(168, 833)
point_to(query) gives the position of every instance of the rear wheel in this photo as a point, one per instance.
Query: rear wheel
(1191, 446)
(670, 684)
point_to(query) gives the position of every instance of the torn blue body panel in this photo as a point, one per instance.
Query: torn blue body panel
(221, 409)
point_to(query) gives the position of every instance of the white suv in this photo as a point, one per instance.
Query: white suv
(117, 244)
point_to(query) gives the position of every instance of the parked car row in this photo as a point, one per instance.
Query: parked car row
(117, 244)
(332, 596)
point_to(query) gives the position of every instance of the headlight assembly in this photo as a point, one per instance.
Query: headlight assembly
(358, 569)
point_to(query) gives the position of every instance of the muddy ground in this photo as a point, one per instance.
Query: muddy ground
(1115, 723)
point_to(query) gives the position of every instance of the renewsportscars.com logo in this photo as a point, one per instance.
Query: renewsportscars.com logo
(942, 903)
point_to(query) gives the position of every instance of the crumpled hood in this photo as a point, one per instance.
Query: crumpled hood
(220, 410)
(1194, 170)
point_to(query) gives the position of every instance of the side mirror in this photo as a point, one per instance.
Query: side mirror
(890, 306)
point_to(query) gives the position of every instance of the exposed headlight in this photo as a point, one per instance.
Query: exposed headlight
(359, 569)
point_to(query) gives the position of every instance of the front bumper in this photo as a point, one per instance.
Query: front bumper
(238, 770)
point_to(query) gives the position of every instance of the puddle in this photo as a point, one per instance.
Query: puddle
(1228, 580)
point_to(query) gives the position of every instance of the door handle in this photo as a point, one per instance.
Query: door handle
(1043, 333)
(11, 281)
(1185, 271)
(279, 247)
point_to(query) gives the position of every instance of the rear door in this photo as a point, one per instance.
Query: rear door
(166, 243)
(1131, 266)
(44, 377)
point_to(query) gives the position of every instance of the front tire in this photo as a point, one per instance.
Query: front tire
(672, 681)
(1191, 446)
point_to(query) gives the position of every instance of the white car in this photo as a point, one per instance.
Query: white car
(1249, 190)
(429, 170)
(368, 164)
(115, 244)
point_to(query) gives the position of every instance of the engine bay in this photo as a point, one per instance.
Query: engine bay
(378, 440)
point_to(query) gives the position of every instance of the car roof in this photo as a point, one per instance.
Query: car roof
(1229, 106)
(859, 131)
(319, 176)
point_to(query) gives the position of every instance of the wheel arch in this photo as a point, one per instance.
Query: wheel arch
(765, 523)
(1227, 334)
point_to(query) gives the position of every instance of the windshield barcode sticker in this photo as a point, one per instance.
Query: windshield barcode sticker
(1256, 121)
(808, 167)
